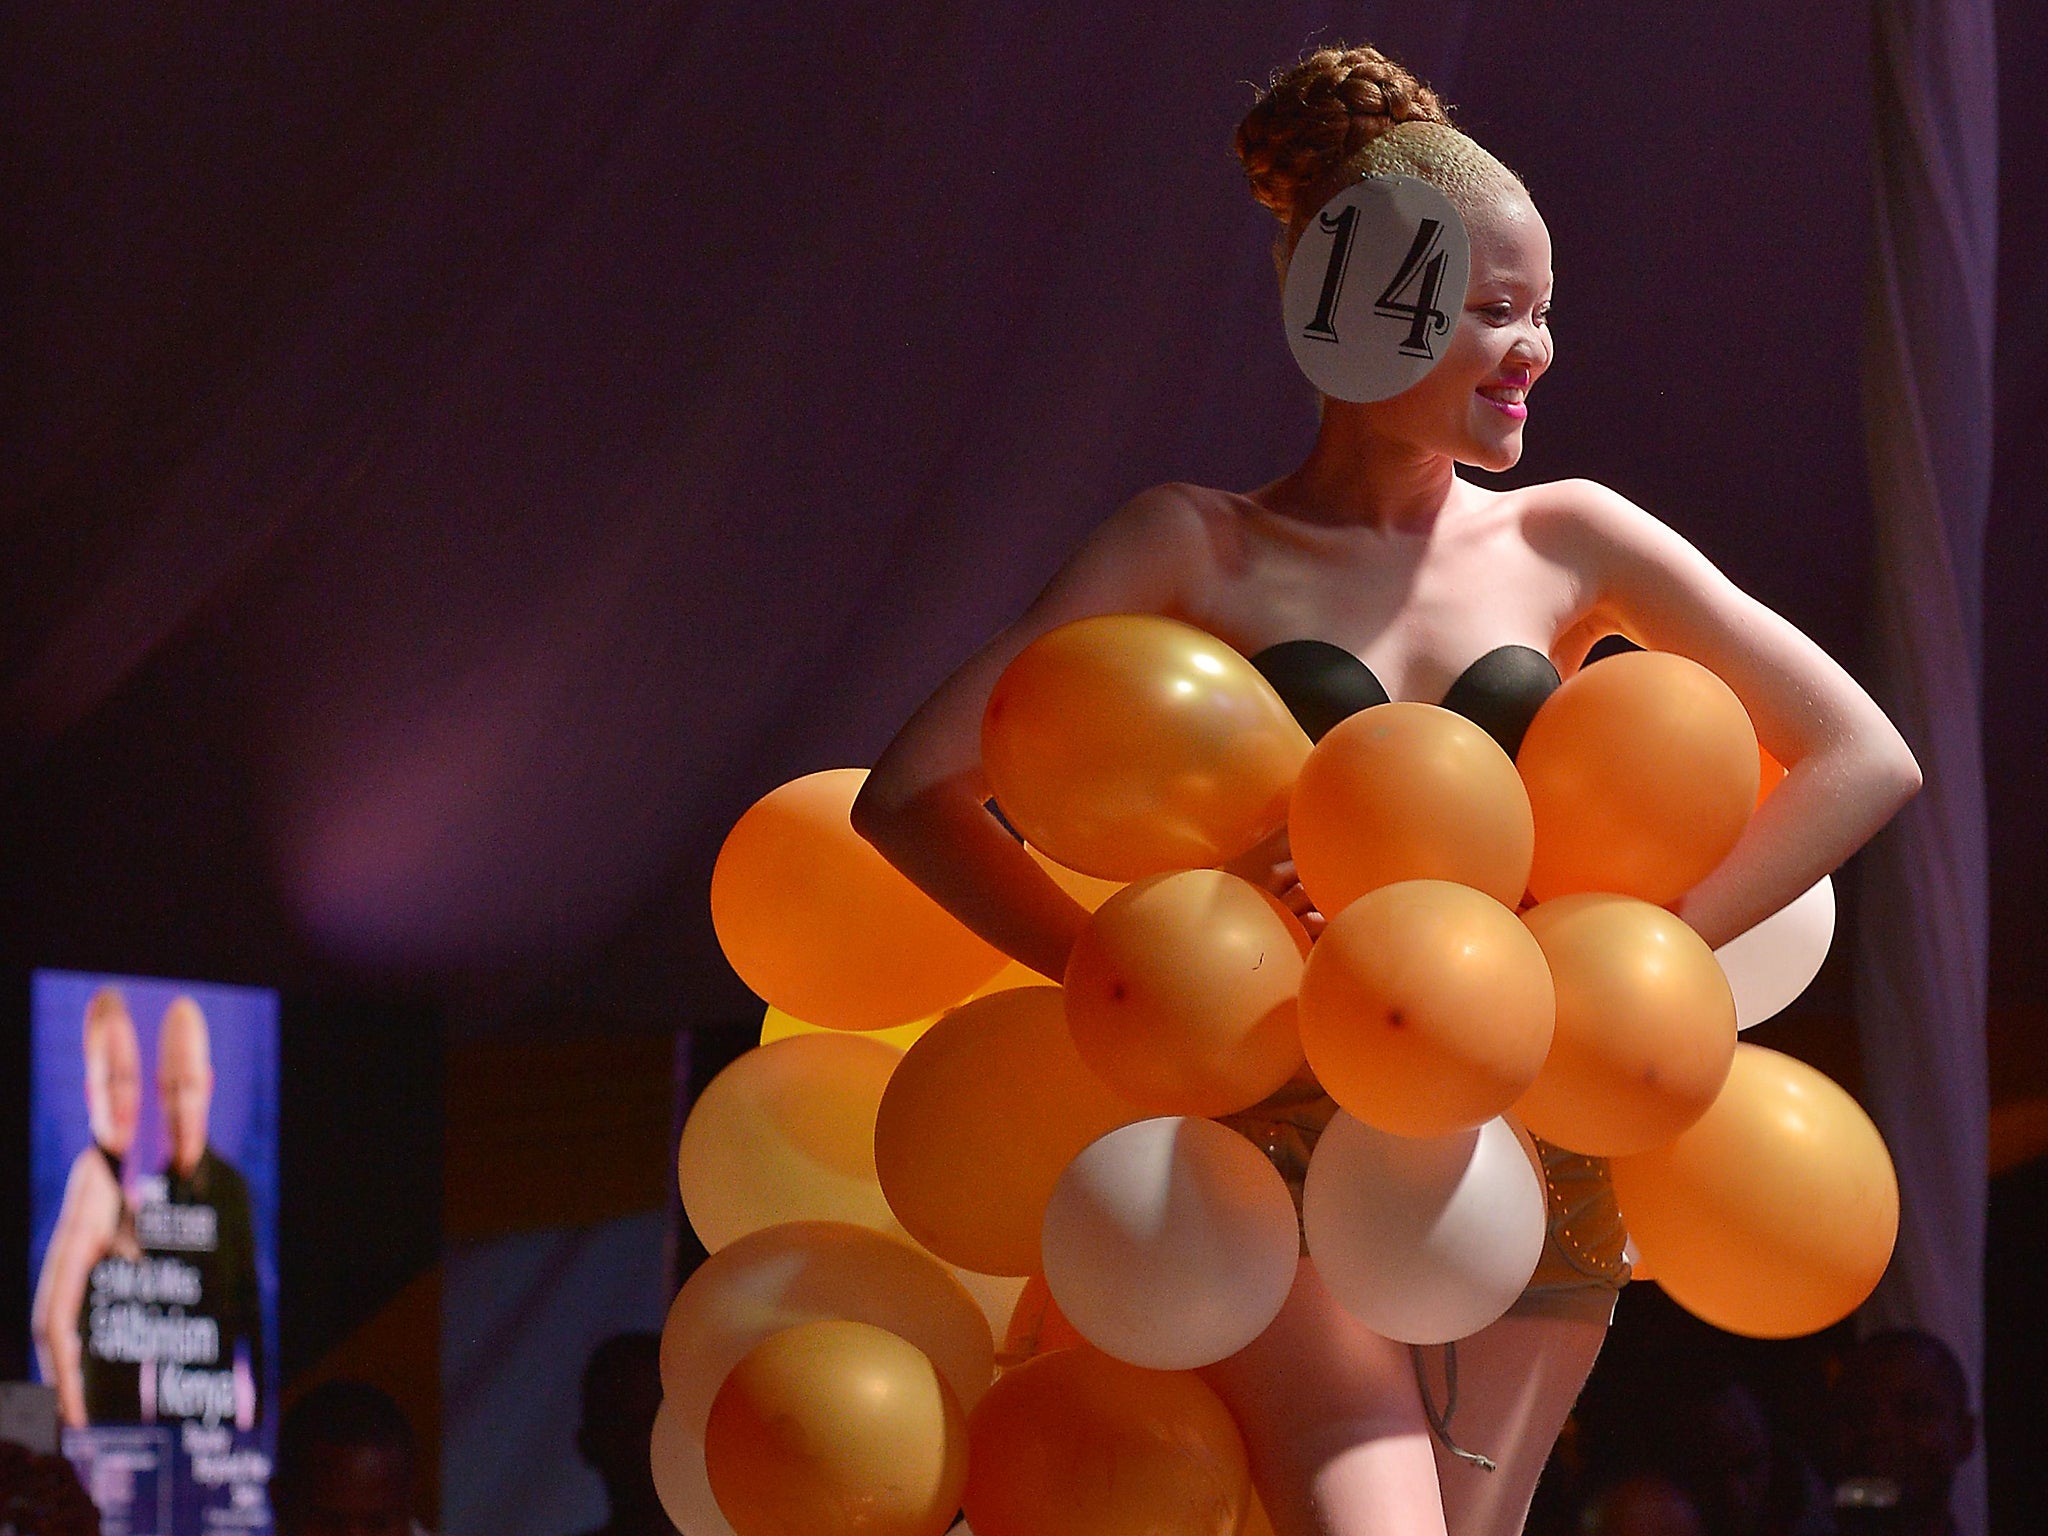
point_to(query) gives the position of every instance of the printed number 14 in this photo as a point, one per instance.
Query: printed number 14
(1422, 270)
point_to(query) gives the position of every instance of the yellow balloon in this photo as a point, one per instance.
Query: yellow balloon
(777, 1025)
(980, 1120)
(1642, 772)
(1426, 1008)
(819, 924)
(1645, 1026)
(836, 1429)
(1409, 792)
(1130, 744)
(1775, 1214)
(1181, 993)
(1073, 1443)
(1086, 889)
(787, 1133)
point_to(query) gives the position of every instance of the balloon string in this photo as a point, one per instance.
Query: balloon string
(1440, 1423)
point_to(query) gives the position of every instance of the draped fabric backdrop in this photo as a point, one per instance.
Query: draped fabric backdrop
(1923, 954)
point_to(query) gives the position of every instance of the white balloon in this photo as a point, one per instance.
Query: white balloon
(1170, 1243)
(1423, 1239)
(1775, 961)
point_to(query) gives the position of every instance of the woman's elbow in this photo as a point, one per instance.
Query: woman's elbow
(43, 1329)
(873, 814)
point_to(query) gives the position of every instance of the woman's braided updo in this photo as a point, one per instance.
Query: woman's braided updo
(1333, 117)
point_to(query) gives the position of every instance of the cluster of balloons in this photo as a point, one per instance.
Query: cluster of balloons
(923, 1118)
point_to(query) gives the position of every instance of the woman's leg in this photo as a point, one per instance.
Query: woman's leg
(1517, 1381)
(1333, 1423)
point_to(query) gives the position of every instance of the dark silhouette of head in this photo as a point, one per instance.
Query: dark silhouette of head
(621, 1394)
(344, 1464)
(1902, 1413)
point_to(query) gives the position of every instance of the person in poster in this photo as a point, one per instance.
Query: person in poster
(94, 1249)
(197, 1214)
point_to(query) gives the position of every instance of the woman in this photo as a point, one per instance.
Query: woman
(94, 1225)
(1375, 544)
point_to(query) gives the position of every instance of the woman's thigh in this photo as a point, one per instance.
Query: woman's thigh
(1517, 1381)
(1333, 1423)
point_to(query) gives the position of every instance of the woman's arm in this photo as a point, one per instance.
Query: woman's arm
(923, 806)
(85, 1224)
(1848, 769)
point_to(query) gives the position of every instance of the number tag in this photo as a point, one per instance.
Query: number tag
(1375, 286)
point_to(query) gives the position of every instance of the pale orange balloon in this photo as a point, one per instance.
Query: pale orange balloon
(1775, 1214)
(787, 1133)
(836, 1429)
(1645, 1026)
(819, 924)
(1256, 1521)
(1181, 993)
(1074, 1443)
(1130, 744)
(980, 1120)
(1409, 792)
(1642, 772)
(805, 1272)
(1426, 1008)
(1037, 1327)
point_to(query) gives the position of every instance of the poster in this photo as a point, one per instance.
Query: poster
(153, 1244)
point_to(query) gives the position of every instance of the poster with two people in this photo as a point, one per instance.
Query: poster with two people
(153, 1248)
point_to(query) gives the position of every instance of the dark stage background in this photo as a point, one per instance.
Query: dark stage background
(457, 456)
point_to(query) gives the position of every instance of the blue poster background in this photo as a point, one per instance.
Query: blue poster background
(213, 1475)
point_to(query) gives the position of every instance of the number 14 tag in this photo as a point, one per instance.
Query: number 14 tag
(1375, 286)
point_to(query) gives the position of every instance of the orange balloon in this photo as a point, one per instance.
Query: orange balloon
(980, 1120)
(1074, 1443)
(1642, 772)
(1129, 745)
(787, 1133)
(1775, 1214)
(1426, 1008)
(1645, 1026)
(821, 925)
(836, 1429)
(1409, 792)
(1037, 1327)
(1180, 993)
(1085, 889)
(1770, 773)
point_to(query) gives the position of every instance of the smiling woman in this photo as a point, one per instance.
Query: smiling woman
(1376, 545)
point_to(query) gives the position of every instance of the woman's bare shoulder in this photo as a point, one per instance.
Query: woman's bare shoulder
(90, 1189)
(1155, 551)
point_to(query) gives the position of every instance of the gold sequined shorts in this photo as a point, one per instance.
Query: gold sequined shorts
(1582, 1268)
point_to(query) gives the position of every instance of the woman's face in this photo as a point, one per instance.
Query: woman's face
(1473, 404)
(113, 1084)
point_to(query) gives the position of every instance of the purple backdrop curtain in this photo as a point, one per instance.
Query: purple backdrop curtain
(1922, 957)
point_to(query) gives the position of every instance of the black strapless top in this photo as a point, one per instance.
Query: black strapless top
(1324, 683)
